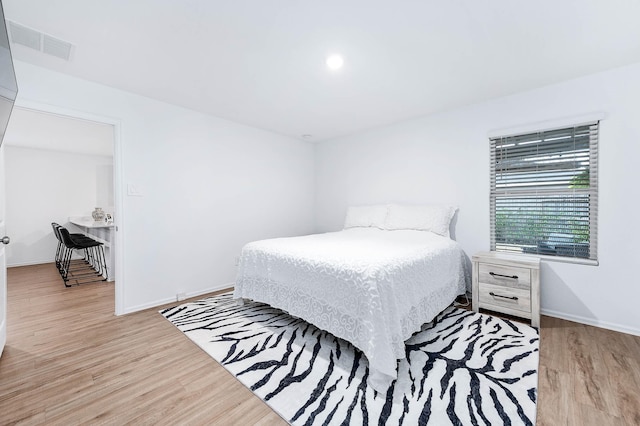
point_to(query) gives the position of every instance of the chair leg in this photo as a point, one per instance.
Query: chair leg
(104, 262)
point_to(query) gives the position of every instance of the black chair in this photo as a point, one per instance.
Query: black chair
(81, 271)
(60, 250)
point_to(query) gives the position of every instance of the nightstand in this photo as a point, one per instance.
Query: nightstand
(507, 283)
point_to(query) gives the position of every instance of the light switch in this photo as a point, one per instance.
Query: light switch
(133, 190)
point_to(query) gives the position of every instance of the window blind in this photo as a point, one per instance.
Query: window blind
(544, 192)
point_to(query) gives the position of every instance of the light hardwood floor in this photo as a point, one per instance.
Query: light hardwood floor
(69, 360)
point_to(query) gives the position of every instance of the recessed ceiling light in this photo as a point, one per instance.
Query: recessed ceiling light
(307, 136)
(335, 62)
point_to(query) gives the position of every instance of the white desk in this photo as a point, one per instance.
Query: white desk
(101, 232)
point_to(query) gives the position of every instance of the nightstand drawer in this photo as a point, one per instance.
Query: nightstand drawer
(506, 297)
(505, 276)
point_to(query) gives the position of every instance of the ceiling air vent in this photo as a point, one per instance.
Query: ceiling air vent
(19, 34)
(56, 47)
(24, 36)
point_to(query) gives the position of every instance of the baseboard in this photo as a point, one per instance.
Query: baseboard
(156, 303)
(38, 262)
(592, 321)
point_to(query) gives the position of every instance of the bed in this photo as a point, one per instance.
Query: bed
(373, 284)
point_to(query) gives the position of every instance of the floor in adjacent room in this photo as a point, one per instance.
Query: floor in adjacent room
(69, 360)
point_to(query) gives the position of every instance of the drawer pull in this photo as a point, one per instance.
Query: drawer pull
(513, 277)
(504, 297)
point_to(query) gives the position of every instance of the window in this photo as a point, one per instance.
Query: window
(544, 192)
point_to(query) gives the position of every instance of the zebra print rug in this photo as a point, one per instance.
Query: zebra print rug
(463, 368)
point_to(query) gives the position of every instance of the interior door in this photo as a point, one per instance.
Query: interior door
(4, 240)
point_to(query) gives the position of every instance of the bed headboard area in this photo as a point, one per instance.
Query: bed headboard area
(436, 218)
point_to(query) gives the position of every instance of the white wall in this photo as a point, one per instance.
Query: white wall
(445, 158)
(208, 186)
(37, 129)
(44, 186)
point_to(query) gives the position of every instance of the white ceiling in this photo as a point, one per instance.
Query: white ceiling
(261, 62)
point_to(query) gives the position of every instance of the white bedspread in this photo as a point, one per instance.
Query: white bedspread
(372, 287)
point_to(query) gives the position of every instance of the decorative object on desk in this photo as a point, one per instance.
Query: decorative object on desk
(462, 368)
(108, 218)
(98, 214)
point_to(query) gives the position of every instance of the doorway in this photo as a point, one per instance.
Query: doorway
(59, 164)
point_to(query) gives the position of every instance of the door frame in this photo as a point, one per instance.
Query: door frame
(118, 196)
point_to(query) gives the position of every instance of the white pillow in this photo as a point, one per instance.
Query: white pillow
(366, 216)
(434, 218)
